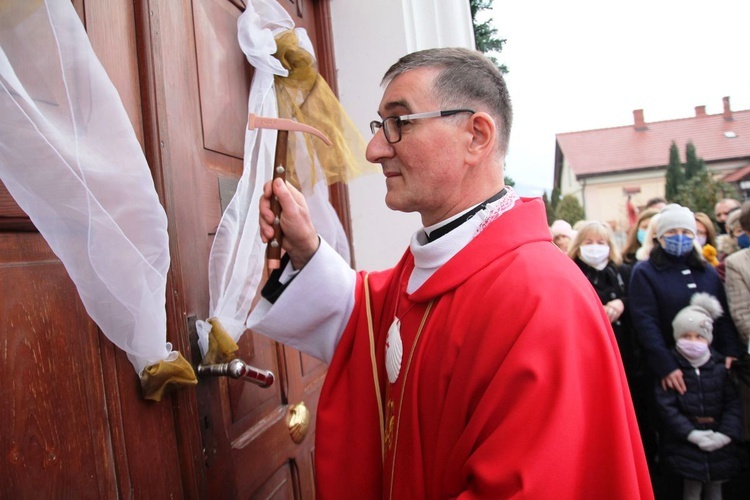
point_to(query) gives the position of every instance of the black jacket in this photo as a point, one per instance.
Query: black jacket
(710, 402)
(612, 283)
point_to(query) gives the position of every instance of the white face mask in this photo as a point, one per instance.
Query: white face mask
(701, 240)
(595, 255)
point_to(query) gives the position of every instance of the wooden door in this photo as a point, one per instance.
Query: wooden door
(73, 423)
(200, 85)
(73, 420)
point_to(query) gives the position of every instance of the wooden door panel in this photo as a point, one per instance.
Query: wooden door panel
(280, 486)
(248, 444)
(73, 418)
(52, 414)
(224, 77)
(250, 404)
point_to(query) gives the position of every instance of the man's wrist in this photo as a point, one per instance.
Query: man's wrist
(300, 259)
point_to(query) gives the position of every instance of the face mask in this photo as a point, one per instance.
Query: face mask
(743, 240)
(722, 227)
(678, 244)
(595, 255)
(692, 349)
(641, 235)
(701, 241)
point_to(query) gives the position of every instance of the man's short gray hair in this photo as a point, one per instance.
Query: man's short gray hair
(467, 79)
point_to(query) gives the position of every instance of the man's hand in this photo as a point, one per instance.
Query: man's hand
(674, 381)
(300, 238)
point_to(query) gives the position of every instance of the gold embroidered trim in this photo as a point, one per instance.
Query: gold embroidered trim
(375, 366)
(401, 400)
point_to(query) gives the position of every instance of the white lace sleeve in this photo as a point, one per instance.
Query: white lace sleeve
(311, 314)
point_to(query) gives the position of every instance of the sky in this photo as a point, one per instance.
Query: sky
(585, 64)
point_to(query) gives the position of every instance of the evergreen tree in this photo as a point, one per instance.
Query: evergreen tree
(484, 34)
(569, 209)
(555, 199)
(675, 173)
(702, 191)
(509, 181)
(693, 164)
(548, 208)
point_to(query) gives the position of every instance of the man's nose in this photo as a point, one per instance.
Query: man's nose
(378, 148)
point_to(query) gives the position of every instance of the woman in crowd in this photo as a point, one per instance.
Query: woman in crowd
(728, 244)
(705, 236)
(562, 233)
(738, 280)
(637, 235)
(649, 240)
(663, 285)
(595, 253)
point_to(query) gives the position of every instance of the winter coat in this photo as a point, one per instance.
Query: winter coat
(738, 291)
(659, 288)
(710, 402)
(612, 283)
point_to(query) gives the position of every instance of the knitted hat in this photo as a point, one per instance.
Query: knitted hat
(675, 216)
(698, 317)
(561, 227)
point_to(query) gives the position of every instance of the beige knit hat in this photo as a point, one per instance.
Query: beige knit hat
(675, 216)
(698, 317)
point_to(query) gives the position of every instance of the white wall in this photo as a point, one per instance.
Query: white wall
(368, 37)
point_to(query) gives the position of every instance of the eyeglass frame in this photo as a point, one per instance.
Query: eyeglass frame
(376, 125)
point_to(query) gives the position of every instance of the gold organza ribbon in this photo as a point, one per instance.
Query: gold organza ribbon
(221, 347)
(306, 97)
(166, 376)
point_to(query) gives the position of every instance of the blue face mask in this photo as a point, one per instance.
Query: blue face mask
(678, 244)
(743, 240)
(641, 235)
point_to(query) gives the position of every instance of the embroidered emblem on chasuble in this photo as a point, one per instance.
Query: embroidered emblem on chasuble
(410, 334)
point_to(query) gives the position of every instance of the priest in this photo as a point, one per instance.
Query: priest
(482, 365)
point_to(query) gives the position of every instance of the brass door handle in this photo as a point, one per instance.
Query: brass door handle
(240, 370)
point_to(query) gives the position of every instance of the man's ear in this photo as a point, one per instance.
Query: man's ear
(484, 137)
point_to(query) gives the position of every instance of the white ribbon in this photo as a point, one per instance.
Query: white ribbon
(237, 254)
(71, 160)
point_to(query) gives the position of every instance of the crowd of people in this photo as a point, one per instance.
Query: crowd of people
(677, 295)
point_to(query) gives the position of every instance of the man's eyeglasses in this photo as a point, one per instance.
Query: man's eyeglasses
(392, 125)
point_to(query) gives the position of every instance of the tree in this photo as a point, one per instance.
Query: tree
(509, 181)
(693, 164)
(554, 199)
(675, 174)
(702, 191)
(569, 209)
(548, 208)
(484, 33)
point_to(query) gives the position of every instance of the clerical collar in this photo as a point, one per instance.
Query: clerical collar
(442, 228)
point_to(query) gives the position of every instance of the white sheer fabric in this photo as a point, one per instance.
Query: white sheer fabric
(71, 160)
(237, 255)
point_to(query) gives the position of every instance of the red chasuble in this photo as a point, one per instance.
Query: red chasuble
(511, 385)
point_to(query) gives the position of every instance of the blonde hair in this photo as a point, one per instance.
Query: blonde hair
(599, 229)
(709, 225)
